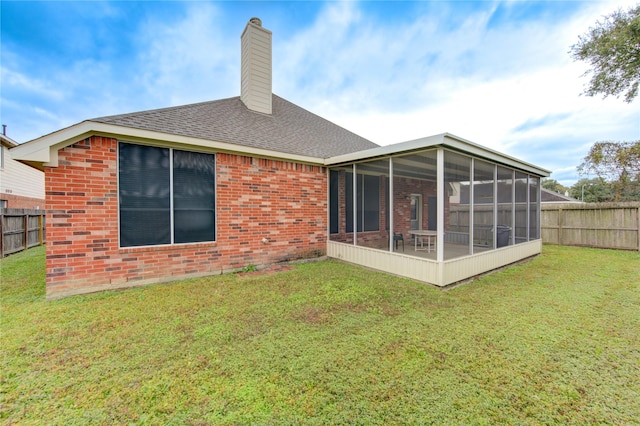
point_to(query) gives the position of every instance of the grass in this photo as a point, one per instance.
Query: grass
(555, 340)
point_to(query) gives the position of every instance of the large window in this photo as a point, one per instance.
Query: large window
(166, 196)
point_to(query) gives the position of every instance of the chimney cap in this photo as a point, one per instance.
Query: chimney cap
(256, 21)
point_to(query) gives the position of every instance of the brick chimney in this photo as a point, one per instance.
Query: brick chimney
(255, 86)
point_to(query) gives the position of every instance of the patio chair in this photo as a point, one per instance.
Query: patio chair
(398, 237)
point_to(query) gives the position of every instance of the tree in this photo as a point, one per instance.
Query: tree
(592, 190)
(612, 48)
(615, 162)
(553, 185)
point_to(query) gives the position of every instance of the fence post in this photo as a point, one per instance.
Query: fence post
(560, 223)
(638, 225)
(26, 231)
(2, 234)
(40, 230)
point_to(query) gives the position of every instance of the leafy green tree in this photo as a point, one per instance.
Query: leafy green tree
(612, 48)
(631, 191)
(594, 190)
(615, 162)
(553, 185)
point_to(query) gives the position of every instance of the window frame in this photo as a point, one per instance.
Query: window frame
(172, 226)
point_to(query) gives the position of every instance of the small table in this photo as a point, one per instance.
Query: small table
(419, 234)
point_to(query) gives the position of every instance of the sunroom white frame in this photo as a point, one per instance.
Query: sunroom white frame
(439, 272)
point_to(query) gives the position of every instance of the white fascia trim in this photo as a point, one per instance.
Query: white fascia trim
(477, 150)
(382, 151)
(446, 140)
(39, 150)
(45, 149)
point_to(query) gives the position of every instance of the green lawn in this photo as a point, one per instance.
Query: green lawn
(555, 340)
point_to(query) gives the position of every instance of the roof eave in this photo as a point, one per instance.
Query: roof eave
(458, 143)
(44, 150)
(386, 150)
(7, 141)
(444, 140)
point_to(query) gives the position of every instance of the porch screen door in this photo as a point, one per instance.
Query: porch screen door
(416, 211)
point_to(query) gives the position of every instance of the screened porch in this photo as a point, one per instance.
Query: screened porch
(422, 209)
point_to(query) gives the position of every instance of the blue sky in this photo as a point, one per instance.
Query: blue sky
(496, 73)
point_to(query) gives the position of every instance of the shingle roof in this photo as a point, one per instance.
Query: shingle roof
(551, 197)
(289, 129)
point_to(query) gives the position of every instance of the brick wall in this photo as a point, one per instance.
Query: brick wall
(19, 202)
(282, 202)
(403, 188)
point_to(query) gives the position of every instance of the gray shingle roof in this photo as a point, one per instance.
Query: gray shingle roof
(548, 196)
(290, 129)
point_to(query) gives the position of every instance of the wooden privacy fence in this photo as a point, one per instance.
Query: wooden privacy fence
(602, 225)
(21, 229)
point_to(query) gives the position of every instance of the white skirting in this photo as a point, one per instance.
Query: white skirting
(430, 271)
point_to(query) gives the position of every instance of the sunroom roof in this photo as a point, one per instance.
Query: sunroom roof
(443, 140)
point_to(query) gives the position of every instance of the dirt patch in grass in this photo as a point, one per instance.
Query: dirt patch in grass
(267, 270)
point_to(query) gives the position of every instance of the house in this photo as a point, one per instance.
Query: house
(21, 185)
(548, 196)
(207, 188)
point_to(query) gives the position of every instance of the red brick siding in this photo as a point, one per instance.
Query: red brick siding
(282, 202)
(403, 188)
(20, 202)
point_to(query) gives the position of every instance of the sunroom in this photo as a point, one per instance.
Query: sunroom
(439, 209)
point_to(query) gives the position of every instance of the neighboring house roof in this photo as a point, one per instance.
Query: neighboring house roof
(547, 196)
(7, 141)
(10, 143)
(289, 129)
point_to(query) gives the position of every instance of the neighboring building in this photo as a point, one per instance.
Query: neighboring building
(21, 185)
(206, 188)
(555, 197)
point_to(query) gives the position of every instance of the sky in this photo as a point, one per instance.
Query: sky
(493, 72)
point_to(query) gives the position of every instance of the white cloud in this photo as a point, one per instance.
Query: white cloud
(189, 59)
(485, 71)
(490, 84)
(16, 81)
